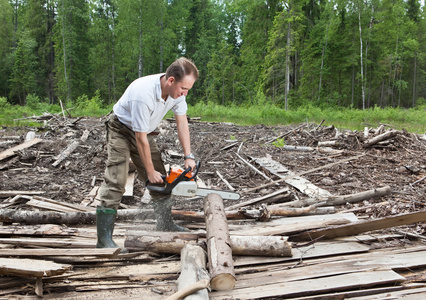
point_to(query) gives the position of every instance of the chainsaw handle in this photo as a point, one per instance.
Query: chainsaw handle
(167, 189)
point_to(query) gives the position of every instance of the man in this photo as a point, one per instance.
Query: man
(130, 134)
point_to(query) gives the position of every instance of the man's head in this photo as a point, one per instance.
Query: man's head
(181, 68)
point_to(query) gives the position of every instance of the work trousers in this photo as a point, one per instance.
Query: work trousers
(121, 146)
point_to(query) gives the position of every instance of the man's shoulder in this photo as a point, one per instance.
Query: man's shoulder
(148, 79)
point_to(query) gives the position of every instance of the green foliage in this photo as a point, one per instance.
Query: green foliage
(291, 54)
(279, 143)
(33, 101)
(4, 105)
(90, 106)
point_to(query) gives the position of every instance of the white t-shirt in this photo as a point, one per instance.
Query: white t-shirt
(141, 107)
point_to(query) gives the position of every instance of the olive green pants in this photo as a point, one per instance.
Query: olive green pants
(121, 146)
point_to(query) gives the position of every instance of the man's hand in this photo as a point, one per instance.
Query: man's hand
(190, 163)
(155, 177)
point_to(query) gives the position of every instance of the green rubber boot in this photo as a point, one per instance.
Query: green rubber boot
(105, 220)
(163, 214)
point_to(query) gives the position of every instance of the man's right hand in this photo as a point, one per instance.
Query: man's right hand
(155, 177)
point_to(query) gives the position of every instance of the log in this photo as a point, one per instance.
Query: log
(159, 241)
(339, 200)
(69, 218)
(221, 265)
(193, 273)
(174, 242)
(379, 138)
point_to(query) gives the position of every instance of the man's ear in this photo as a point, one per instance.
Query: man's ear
(171, 79)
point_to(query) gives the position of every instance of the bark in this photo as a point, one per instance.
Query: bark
(379, 138)
(69, 218)
(221, 265)
(174, 242)
(193, 273)
(159, 241)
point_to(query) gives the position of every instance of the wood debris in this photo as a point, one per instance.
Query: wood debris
(344, 210)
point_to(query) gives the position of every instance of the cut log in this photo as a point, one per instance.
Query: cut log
(194, 278)
(219, 251)
(159, 241)
(362, 226)
(174, 242)
(12, 151)
(260, 246)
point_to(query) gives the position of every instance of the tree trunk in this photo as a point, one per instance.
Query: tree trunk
(414, 79)
(221, 265)
(362, 65)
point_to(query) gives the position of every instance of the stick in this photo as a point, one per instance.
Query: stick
(225, 181)
(252, 167)
(199, 285)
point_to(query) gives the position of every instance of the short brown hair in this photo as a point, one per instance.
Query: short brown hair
(181, 68)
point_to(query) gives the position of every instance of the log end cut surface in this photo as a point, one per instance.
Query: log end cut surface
(223, 282)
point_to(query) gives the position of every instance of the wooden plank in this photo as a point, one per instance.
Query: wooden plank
(364, 262)
(304, 173)
(362, 226)
(285, 226)
(44, 229)
(302, 184)
(313, 286)
(6, 194)
(128, 193)
(12, 151)
(53, 205)
(101, 252)
(47, 242)
(23, 267)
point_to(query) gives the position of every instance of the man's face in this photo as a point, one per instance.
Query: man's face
(182, 87)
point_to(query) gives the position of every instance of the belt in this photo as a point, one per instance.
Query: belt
(151, 133)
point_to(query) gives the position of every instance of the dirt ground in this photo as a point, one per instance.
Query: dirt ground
(398, 162)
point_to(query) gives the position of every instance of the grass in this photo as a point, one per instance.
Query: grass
(413, 120)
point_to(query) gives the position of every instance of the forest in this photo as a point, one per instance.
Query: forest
(326, 53)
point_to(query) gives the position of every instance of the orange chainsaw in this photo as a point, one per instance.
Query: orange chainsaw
(179, 182)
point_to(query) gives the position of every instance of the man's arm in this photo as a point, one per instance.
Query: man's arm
(184, 138)
(145, 155)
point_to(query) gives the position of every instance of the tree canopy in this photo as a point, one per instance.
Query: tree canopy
(343, 53)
